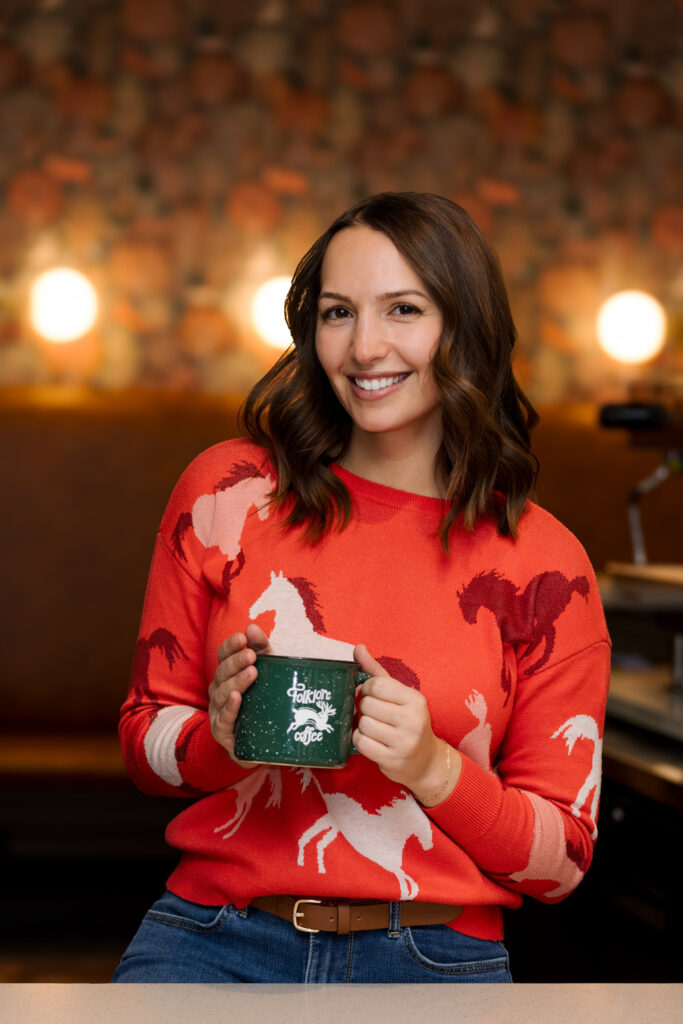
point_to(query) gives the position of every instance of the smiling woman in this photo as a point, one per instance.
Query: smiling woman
(378, 511)
(378, 330)
(428, 252)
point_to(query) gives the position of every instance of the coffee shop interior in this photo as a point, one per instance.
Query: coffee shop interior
(163, 166)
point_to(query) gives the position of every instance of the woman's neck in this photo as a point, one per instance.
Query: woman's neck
(389, 462)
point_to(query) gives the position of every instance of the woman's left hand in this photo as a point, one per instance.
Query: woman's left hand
(395, 731)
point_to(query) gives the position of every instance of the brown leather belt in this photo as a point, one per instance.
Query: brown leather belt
(344, 916)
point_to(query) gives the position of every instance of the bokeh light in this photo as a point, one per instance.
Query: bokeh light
(267, 312)
(63, 304)
(631, 326)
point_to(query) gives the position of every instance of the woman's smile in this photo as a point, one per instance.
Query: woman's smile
(377, 387)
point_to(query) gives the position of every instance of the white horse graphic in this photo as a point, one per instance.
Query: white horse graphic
(298, 629)
(477, 743)
(245, 792)
(583, 727)
(218, 519)
(380, 835)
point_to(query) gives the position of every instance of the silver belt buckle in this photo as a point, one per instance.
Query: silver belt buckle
(300, 913)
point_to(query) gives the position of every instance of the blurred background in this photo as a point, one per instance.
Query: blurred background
(161, 163)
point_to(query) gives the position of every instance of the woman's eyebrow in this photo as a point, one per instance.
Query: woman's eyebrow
(401, 292)
(383, 297)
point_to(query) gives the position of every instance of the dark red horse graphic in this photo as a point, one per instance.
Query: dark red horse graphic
(162, 640)
(528, 616)
(579, 858)
(232, 568)
(181, 527)
(397, 669)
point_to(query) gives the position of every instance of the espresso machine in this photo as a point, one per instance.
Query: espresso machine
(644, 600)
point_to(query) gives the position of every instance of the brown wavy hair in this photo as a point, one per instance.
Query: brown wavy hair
(485, 461)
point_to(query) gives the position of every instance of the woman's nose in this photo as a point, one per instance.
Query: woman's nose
(369, 342)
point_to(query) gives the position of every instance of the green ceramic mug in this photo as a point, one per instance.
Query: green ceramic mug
(298, 711)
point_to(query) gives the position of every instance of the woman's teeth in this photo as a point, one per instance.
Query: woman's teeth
(377, 383)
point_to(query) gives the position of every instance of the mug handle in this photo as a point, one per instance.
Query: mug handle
(360, 678)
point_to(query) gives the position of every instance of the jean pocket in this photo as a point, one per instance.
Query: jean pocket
(442, 950)
(176, 912)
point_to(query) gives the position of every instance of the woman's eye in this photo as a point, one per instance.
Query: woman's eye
(405, 309)
(334, 313)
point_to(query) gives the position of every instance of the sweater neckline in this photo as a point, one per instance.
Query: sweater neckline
(381, 494)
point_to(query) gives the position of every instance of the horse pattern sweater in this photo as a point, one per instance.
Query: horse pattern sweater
(505, 638)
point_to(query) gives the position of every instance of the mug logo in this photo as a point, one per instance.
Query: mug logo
(314, 720)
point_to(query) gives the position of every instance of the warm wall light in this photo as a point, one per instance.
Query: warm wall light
(63, 304)
(267, 312)
(631, 327)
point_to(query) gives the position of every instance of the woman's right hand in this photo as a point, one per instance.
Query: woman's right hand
(235, 673)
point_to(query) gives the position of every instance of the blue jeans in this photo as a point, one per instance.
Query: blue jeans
(179, 941)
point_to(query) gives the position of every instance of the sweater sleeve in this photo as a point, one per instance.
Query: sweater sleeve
(530, 823)
(164, 727)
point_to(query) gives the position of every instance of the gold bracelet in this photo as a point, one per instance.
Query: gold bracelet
(435, 798)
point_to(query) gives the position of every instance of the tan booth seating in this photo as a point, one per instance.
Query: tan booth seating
(85, 479)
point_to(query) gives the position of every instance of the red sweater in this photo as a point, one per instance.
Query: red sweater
(505, 638)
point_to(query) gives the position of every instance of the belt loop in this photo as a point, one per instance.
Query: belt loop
(394, 919)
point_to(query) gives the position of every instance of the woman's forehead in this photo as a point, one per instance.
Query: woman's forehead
(366, 260)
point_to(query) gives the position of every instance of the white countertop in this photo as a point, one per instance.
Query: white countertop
(295, 1004)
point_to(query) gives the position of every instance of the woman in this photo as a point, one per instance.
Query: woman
(381, 500)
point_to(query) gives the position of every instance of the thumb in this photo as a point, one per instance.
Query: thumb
(257, 639)
(364, 659)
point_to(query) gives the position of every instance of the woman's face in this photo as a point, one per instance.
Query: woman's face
(377, 330)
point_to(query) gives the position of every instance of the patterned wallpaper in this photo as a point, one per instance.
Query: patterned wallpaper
(180, 152)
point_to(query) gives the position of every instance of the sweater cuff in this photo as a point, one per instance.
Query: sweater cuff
(472, 808)
(207, 766)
